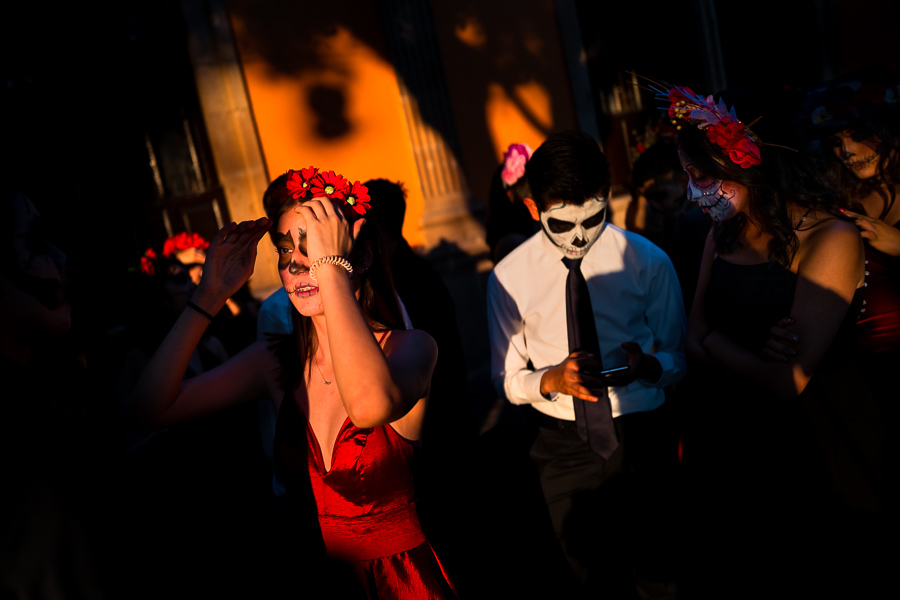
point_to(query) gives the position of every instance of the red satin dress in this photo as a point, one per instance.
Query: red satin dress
(367, 513)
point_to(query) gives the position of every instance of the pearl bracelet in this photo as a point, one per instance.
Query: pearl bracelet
(339, 261)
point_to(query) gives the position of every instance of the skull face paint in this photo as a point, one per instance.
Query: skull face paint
(284, 245)
(718, 198)
(715, 199)
(858, 152)
(293, 264)
(573, 228)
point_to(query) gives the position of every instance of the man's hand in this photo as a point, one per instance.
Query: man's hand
(578, 375)
(640, 366)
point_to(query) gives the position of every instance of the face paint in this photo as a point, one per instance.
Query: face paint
(284, 245)
(858, 152)
(714, 198)
(573, 228)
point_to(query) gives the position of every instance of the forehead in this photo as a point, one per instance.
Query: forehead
(565, 211)
(290, 221)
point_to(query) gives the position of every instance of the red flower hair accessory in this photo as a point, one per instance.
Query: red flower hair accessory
(514, 160)
(330, 184)
(722, 126)
(148, 262)
(358, 198)
(183, 241)
(299, 182)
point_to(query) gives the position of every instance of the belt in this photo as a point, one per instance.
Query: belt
(568, 428)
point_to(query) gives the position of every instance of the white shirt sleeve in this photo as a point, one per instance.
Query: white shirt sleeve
(509, 354)
(665, 317)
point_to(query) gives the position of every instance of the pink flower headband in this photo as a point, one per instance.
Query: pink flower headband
(328, 184)
(514, 160)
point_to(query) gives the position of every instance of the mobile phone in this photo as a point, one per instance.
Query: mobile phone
(613, 370)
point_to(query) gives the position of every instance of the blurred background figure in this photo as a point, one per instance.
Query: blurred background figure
(183, 482)
(508, 221)
(235, 325)
(852, 125)
(55, 511)
(658, 197)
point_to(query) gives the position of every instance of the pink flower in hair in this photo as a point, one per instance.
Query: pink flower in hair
(514, 160)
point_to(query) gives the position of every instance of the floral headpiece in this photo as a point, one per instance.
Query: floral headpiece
(514, 160)
(183, 241)
(721, 125)
(148, 262)
(329, 184)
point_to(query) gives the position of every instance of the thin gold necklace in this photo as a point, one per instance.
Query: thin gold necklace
(325, 381)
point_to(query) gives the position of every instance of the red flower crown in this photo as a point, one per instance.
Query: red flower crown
(183, 241)
(328, 184)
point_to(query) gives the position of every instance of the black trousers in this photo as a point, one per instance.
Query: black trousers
(614, 518)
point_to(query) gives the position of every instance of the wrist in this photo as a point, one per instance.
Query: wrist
(332, 260)
(208, 302)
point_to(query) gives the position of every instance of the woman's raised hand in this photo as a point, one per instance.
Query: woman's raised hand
(230, 259)
(879, 234)
(328, 233)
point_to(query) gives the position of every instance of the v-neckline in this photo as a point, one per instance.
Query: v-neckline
(320, 458)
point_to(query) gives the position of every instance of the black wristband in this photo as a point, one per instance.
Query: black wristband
(200, 310)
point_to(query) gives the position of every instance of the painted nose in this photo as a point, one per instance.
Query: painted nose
(294, 268)
(579, 242)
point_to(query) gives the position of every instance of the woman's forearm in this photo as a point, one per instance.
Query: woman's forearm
(370, 395)
(785, 380)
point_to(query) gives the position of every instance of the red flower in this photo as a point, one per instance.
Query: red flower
(331, 185)
(298, 182)
(183, 241)
(732, 137)
(147, 262)
(358, 198)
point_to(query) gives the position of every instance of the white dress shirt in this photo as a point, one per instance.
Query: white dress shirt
(635, 296)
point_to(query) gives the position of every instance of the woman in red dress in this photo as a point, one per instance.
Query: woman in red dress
(350, 385)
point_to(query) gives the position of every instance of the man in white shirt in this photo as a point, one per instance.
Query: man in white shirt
(637, 310)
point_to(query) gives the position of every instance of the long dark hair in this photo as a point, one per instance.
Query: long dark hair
(377, 297)
(847, 186)
(865, 104)
(782, 178)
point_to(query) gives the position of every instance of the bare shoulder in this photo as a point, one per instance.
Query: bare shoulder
(831, 255)
(831, 237)
(414, 340)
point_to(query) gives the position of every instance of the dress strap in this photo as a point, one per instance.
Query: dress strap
(383, 335)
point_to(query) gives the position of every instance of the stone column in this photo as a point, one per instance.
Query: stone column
(449, 210)
(229, 122)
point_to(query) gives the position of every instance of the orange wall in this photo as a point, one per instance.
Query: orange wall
(507, 79)
(324, 92)
(323, 96)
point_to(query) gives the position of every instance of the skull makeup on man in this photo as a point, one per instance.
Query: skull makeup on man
(574, 228)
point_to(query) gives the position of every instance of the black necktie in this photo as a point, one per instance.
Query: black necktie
(593, 419)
